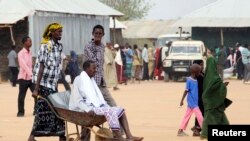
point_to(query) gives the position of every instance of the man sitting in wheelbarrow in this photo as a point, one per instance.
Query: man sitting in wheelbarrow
(87, 97)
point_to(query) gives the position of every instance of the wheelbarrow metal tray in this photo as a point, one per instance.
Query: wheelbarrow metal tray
(80, 118)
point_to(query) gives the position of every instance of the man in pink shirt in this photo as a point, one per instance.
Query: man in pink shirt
(25, 73)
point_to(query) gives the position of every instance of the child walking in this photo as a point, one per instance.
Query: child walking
(192, 99)
(196, 129)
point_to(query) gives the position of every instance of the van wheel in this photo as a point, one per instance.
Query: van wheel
(166, 77)
(175, 78)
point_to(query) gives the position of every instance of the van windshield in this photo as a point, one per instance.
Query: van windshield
(161, 40)
(185, 49)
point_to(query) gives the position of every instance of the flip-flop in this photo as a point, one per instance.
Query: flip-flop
(182, 134)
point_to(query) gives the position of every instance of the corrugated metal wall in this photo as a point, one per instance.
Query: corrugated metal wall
(77, 29)
(211, 36)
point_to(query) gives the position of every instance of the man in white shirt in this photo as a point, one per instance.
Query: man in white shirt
(87, 97)
(165, 49)
(145, 62)
(12, 57)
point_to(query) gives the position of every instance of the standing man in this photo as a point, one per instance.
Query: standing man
(145, 62)
(221, 61)
(12, 57)
(109, 67)
(136, 69)
(94, 51)
(239, 63)
(25, 74)
(120, 62)
(45, 76)
(129, 60)
(246, 61)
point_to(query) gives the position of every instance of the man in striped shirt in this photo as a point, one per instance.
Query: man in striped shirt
(94, 51)
(45, 76)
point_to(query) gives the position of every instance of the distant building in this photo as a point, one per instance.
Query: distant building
(147, 31)
(30, 17)
(220, 23)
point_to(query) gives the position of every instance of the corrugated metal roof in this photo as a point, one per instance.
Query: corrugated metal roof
(149, 28)
(222, 13)
(89, 7)
(13, 10)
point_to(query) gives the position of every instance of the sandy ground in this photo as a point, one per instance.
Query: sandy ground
(152, 109)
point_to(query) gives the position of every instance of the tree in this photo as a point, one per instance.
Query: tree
(132, 9)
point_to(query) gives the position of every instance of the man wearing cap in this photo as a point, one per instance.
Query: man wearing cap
(45, 77)
(120, 62)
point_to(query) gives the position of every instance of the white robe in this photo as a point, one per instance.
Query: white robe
(85, 94)
(110, 75)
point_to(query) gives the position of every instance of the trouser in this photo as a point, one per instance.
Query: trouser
(240, 70)
(247, 72)
(145, 71)
(188, 114)
(62, 80)
(85, 133)
(112, 114)
(23, 87)
(201, 107)
(14, 73)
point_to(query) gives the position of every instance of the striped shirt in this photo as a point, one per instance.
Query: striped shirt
(95, 53)
(50, 55)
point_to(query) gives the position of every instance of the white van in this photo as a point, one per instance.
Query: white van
(180, 57)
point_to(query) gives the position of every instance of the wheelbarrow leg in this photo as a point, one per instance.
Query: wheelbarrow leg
(68, 135)
(67, 131)
(78, 134)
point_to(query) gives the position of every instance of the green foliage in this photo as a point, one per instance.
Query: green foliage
(132, 9)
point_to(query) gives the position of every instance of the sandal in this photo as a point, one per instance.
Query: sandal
(182, 134)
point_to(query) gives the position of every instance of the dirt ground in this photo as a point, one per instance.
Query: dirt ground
(152, 109)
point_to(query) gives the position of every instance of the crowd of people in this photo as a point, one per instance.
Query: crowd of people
(233, 61)
(132, 63)
(110, 65)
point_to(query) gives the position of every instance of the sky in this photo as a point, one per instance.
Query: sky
(173, 9)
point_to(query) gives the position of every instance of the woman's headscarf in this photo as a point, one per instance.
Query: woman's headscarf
(47, 33)
(73, 55)
(214, 90)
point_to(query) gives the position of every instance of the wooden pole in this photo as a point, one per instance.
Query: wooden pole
(180, 31)
(12, 38)
(221, 37)
(114, 38)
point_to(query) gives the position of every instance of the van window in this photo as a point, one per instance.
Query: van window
(185, 49)
(161, 40)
